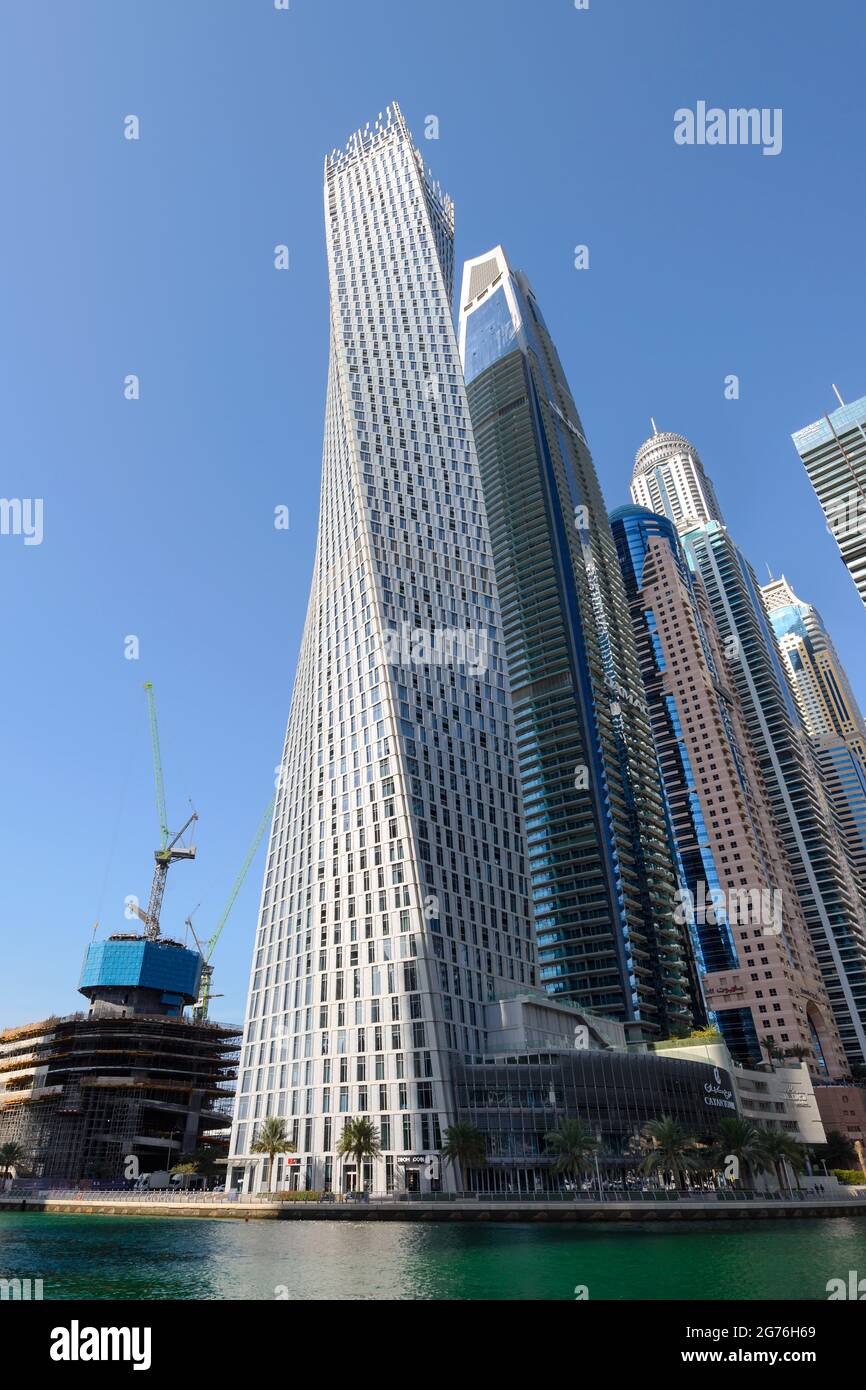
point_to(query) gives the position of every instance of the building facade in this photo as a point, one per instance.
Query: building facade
(830, 712)
(549, 1063)
(833, 453)
(758, 972)
(395, 900)
(802, 816)
(843, 1109)
(771, 1097)
(600, 862)
(129, 1087)
(517, 1099)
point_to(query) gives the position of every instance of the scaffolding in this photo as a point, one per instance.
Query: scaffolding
(99, 1090)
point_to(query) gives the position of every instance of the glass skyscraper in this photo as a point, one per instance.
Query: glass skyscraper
(833, 451)
(825, 886)
(757, 967)
(600, 859)
(830, 712)
(395, 898)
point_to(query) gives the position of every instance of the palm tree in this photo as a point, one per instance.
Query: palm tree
(774, 1051)
(777, 1149)
(360, 1141)
(574, 1145)
(465, 1147)
(11, 1156)
(740, 1140)
(271, 1139)
(672, 1150)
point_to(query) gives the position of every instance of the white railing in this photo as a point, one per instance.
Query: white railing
(192, 1198)
(75, 1194)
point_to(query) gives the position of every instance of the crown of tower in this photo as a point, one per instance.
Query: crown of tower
(658, 448)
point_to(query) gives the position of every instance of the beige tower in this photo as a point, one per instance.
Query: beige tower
(759, 972)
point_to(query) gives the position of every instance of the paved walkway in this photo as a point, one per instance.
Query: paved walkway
(659, 1207)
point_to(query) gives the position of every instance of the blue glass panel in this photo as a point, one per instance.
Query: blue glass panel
(490, 334)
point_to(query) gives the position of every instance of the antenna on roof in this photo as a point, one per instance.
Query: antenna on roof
(838, 397)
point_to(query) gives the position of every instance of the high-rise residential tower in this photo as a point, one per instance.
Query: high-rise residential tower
(759, 976)
(823, 880)
(600, 860)
(830, 711)
(833, 451)
(395, 900)
(671, 480)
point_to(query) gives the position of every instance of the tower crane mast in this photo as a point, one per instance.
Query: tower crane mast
(200, 1009)
(170, 849)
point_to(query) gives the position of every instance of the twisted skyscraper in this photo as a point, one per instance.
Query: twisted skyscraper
(394, 902)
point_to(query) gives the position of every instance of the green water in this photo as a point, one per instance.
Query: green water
(109, 1257)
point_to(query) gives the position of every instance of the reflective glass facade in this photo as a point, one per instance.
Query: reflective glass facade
(600, 860)
(825, 888)
(833, 451)
(515, 1101)
(830, 713)
(142, 964)
(632, 526)
(757, 966)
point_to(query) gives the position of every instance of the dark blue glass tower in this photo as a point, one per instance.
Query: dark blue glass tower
(712, 940)
(601, 867)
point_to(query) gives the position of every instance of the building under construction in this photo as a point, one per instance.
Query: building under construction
(130, 1079)
(128, 1087)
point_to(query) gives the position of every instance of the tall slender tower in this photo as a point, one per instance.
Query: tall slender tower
(394, 901)
(823, 880)
(600, 858)
(670, 479)
(833, 453)
(758, 970)
(830, 712)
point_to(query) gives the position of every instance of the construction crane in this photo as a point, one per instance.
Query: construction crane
(200, 1008)
(170, 849)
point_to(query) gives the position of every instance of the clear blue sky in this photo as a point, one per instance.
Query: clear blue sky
(155, 257)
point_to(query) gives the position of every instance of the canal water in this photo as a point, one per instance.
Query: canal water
(109, 1257)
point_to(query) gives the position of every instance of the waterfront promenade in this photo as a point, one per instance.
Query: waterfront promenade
(546, 1207)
